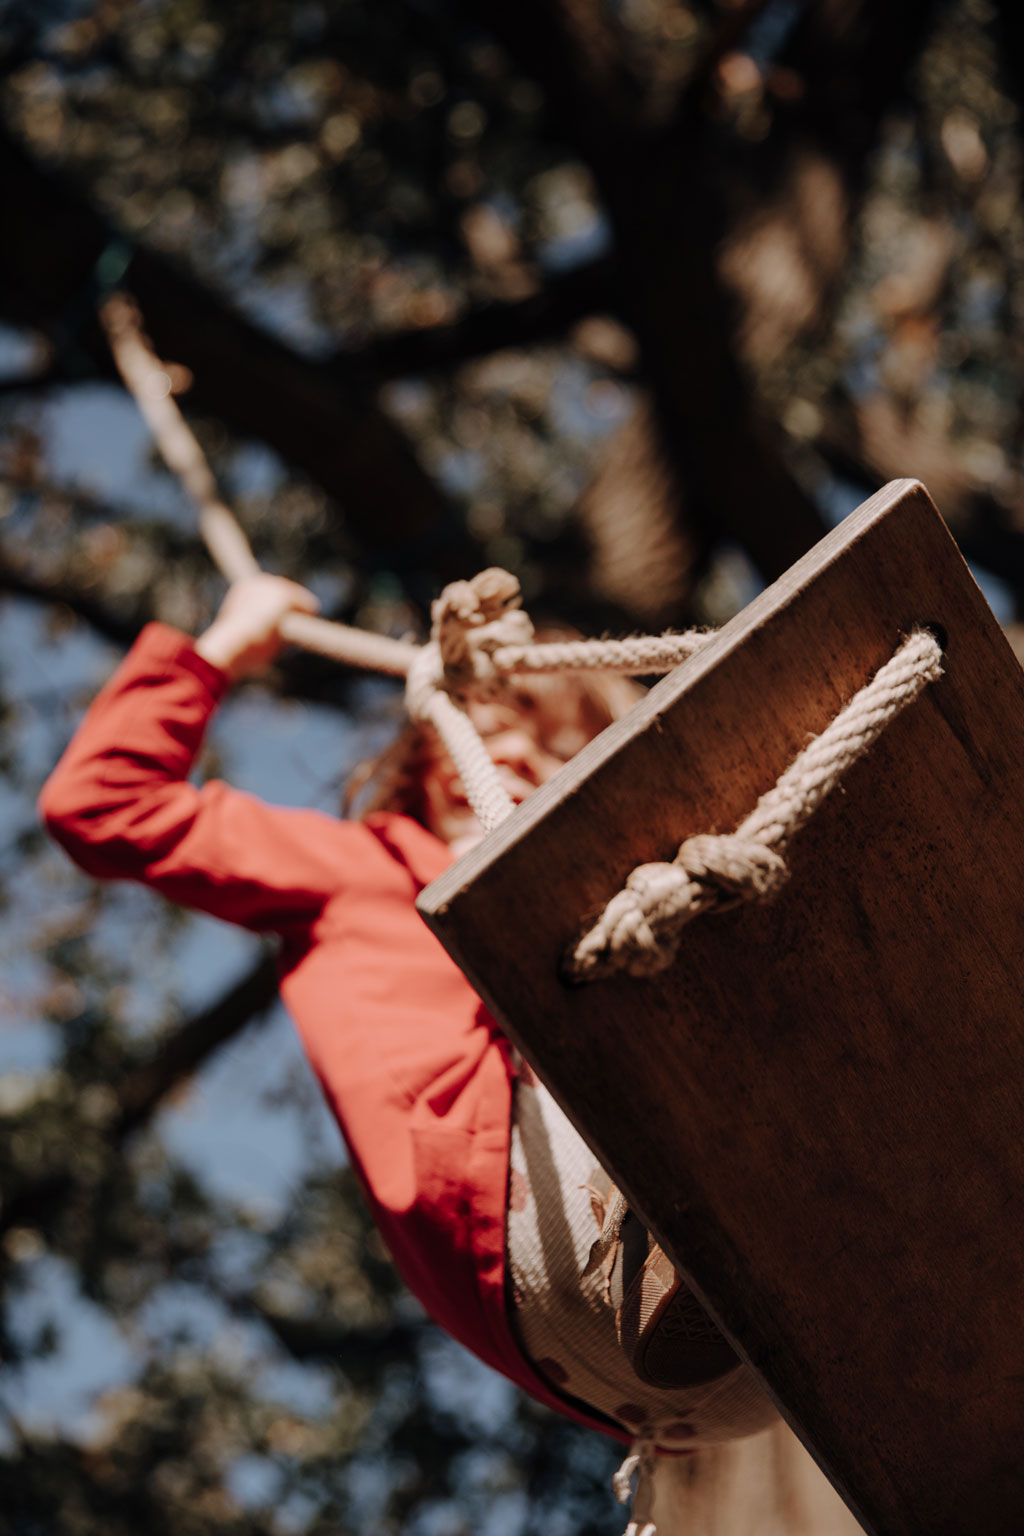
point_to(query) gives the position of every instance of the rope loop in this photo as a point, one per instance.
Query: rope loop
(470, 621)
(733, 868)
(640, 927)
(479, 636)
(644, 920)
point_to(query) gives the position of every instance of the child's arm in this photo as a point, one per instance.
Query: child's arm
(120, 803)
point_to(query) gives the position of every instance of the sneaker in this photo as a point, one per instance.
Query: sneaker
(667, 1336)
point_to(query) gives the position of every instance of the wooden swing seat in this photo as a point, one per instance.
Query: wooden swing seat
(819, 1108)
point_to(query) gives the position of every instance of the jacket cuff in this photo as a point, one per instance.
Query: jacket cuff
(165, 648)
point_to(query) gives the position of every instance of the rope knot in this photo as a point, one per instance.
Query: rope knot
(471, 620)
(733, 868)
(640, 927)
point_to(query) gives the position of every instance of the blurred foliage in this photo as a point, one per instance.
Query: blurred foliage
(632, 298)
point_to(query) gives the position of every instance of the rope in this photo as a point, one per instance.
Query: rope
(470, 620)
(479, 638)
(352, 647)
(641, 1460)
(426, 699)
(153, 384)
(639, 929)
(473, 653)
(637, 656)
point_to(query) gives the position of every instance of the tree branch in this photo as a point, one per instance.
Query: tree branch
(358, 1351)
(142, 1090)
(53, 239)
(853, 59)
(564, 299)
(299, 675)
(121, 627)
(666, 210)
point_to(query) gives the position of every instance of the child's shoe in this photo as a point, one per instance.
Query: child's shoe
(668, 1337)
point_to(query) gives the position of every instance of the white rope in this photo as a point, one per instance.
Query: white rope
(479, 633)
(640, 1459)
(426, 699)
(636, 656)
(485, 652)
(639, 929)
(479, 638)
(352, 647)
(152, 383)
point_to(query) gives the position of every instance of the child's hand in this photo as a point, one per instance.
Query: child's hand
(245, 636)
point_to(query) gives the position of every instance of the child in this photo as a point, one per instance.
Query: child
(490, 1203)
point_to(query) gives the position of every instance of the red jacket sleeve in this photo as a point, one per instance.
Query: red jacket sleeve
(119, 801)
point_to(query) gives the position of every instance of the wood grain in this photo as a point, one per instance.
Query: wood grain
(819, 1108)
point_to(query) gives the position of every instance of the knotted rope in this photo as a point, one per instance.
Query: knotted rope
(639, 929)
(469, 621)
(467, 639)
(480, 637)
(479, 634)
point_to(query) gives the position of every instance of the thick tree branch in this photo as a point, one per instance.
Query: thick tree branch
(665, 207)
(564, 299)
(53, 239)
(853, 60)
(668, 220)
(319, 415)
(674, 230)
(795, 193)
(184, 1051)
(121, 625)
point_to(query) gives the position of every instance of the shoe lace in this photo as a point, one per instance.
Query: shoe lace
(603, 1251)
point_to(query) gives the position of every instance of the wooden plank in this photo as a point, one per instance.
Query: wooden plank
(819, 1108)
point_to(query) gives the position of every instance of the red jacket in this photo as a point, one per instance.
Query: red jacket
(414, 1068)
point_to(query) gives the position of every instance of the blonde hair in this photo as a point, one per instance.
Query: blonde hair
(395, 779)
